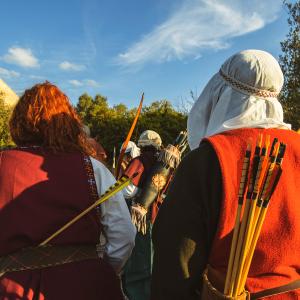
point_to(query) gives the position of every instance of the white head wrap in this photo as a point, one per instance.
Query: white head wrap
(242, 95)
(132, 149)
(150, 138)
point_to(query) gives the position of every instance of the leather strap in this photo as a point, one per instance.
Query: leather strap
(46, 256)
(276, 291)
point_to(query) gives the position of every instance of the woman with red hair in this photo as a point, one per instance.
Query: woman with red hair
(48, 179)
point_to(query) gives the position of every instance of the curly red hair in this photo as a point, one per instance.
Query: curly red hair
(44, 116)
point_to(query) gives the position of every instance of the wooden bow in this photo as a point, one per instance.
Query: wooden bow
(124, 146)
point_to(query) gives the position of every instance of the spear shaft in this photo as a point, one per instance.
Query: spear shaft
(110, 192)
(124, 146)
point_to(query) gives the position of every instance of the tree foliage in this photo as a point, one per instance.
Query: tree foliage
(290, 64)
(110, 125)
(5, 138)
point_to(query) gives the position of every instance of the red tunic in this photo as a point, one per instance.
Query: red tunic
(276, 259)
(141, 165)
(40, 192)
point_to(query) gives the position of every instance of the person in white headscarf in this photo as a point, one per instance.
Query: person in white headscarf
(243, 94)
(194, 224)
(131, 151)
(148, 144)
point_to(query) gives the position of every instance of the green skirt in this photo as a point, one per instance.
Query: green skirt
(136, 277)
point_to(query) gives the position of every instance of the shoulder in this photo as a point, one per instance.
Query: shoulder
(197, 168)
(135, 164)
(102, 171)
(202, 156)
(137, 160)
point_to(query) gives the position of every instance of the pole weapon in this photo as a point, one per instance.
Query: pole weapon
(124, 146)
(114, 158)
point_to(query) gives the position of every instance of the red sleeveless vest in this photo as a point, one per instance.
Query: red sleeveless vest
(276, 259)
(40, 192)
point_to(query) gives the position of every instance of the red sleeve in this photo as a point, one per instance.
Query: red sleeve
(135, 166)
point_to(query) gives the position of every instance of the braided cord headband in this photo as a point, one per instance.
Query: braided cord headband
(245, 88)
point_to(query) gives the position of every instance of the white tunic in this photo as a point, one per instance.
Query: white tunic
(115, 218)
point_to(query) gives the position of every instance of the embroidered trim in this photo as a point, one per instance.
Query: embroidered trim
(245, 88)
(94, 197)
(91, 178)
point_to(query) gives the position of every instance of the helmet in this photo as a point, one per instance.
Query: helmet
(150, 138)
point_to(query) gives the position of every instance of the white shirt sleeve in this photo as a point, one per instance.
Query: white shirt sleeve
(115, 218)
(130, 191)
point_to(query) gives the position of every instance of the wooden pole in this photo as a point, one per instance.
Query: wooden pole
(261, 174)
(258, 228)
(241, 195)
(271, 164)
(270, 184)
(124, 146)
(239, 258)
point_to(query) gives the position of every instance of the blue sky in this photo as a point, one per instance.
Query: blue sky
(119, 48)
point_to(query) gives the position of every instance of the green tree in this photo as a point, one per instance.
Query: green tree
(84, 106)
(160, 116)
(110, 125)
(107, 124)
(290, 64)
(5, 138)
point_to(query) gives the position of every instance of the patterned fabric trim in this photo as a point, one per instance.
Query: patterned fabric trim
(94, 197)
(91, 178)
(245, 88)
(46, 256)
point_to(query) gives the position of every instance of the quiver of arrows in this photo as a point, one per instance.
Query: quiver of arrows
(260, 175)
(158, 180)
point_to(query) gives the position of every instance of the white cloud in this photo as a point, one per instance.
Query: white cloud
(67, 66)
(75, 82)
(21, 57)
(198, 25)
(86, 82)
(8, 73)
(38, 77)
(92, 83)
